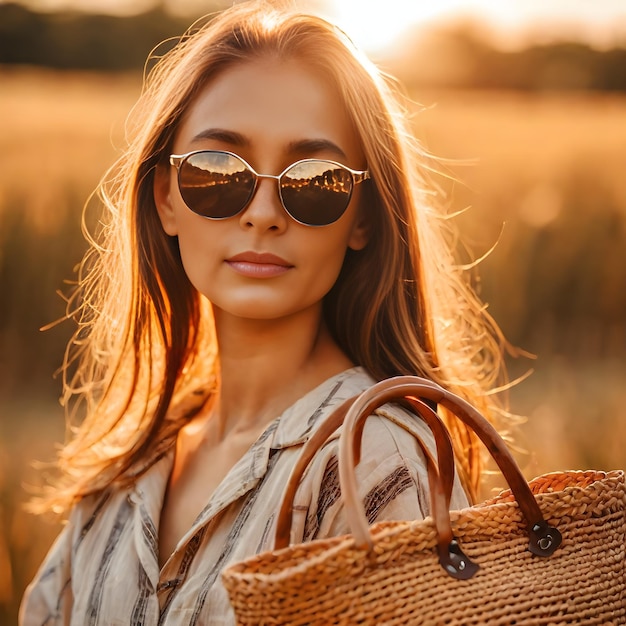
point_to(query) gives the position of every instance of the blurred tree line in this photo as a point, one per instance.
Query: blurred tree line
(84, 41)
(459, 57)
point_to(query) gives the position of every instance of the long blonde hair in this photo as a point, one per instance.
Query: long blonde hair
(143, 358)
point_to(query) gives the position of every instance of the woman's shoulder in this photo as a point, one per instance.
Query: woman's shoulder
(391, 475)
(389, 429)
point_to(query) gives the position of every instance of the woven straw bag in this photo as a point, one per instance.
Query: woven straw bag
(551, 551)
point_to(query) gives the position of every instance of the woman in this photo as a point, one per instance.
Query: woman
(267, 254)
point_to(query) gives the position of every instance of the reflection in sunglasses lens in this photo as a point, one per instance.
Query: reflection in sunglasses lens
(315, 192)
(219, 185)
(215, 185)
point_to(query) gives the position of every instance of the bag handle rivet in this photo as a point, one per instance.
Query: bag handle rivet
(544, 539)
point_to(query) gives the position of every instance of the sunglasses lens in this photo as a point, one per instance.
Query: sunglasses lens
(215, 184)
(315, 192)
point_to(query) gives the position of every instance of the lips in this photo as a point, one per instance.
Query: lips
(263, 258)
(258, 264)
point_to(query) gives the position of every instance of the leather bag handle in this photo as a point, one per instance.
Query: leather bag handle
(543, 539)
(411, 389)
(451, 557)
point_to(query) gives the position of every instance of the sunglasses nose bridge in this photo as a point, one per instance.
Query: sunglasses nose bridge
(278, 178)
(257, 178)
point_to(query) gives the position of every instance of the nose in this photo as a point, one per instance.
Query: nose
(265, 210)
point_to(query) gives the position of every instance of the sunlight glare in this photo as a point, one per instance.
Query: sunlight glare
(375, 26)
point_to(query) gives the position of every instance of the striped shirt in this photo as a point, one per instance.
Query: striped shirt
(103, 568)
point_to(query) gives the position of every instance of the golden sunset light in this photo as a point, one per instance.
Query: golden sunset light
(377, 25)
(516, 109)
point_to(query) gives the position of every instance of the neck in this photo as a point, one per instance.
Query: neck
(266, 365)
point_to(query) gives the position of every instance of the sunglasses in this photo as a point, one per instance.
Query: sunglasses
(217, 184)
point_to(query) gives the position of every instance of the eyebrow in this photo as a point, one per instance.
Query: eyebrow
(300, 147)
(220, 134)
(312, 146)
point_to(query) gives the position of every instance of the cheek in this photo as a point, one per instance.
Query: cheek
(189, 240)
(196, 243)
(330, 256)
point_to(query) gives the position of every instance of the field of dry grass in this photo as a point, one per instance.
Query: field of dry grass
(549, 166)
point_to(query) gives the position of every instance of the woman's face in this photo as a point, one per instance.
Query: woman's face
(261, 263)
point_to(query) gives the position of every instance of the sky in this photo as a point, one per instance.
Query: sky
(512, 22)
(376, 24)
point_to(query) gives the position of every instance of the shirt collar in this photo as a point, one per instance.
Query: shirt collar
(293, 427)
